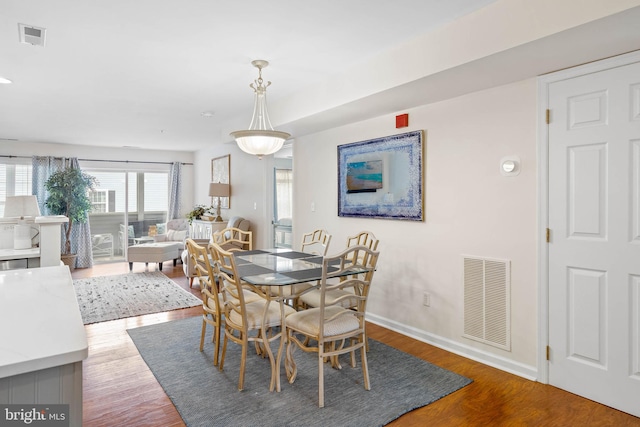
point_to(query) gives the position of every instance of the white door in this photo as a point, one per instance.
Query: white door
(594, 252)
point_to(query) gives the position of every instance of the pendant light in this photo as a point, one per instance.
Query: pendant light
(260, 139)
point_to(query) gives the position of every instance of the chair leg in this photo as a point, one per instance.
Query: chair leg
(366, 338)
(365, 368)
(353, 359)
(320, 380)
(224, 352)
(191, 282)
(243, 363)
(216, 346)
(204, 330)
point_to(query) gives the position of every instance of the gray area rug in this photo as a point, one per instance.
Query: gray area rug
(204, 396)
(126, 295)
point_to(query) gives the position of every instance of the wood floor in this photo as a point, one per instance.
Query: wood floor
(119, 389)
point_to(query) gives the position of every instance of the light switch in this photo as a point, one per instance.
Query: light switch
(313, 206)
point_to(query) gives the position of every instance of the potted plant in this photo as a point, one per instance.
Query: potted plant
(197, 212)
(69, 196)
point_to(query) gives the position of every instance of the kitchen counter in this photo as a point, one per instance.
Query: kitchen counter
(9, 254)
(40, 322)
(43, 340)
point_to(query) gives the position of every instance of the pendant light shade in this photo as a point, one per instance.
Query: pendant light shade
(260, 139)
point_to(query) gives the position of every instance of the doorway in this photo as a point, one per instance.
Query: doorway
(283, 208)
(590, 203)
(125, 204)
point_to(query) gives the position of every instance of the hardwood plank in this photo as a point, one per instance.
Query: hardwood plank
(119, 388)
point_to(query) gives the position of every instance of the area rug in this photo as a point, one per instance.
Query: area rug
(126, 295)
(205, 396)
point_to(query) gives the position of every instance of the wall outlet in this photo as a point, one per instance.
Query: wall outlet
(426, 299)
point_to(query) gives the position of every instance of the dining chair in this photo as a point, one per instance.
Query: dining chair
(233, 239)
(315, 242)
(246, 320)
(364, 238)
(211, 299)
(341, 296)
(331, 329)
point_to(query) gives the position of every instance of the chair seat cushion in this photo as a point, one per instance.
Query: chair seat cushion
(255, 311)
(312, 298)
(211, 302)
(289, 290)
(308, 321)
(251, 296)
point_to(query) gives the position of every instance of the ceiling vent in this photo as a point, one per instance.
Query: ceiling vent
(32, 35)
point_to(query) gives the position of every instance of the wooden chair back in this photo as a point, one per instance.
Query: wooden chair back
(233, 239)
(211, 303)
(316, 242)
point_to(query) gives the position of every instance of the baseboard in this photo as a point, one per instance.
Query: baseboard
(516, 368)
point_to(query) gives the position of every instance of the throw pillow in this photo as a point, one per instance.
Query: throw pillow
(177, 236)
(162, 228)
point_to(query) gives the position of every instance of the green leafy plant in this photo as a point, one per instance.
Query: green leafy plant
(69, 196)
(197, 212)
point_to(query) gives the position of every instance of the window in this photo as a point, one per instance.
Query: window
(114, 183)
(102, 201)
(147, 191)
(284, 194)
(15, 180)
(156, 192)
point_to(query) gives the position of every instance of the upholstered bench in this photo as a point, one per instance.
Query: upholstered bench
(154, 252)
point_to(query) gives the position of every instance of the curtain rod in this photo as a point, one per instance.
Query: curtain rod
(101, 160)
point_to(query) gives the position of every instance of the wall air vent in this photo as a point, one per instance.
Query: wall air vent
(487, 305)
(32, 35)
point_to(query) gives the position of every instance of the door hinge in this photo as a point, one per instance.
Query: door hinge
(548, 235)
(548, 118)
(548, 353)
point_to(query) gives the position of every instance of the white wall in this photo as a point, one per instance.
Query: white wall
(251, 187)
(471, 209)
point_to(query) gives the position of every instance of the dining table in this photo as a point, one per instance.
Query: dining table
(280, 268)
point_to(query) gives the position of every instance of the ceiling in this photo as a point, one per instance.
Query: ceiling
(141, 73)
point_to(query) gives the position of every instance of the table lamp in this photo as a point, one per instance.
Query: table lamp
(21, 207)
(218, 189)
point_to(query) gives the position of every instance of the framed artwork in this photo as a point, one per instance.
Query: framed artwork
(221, 172)
(382, 178)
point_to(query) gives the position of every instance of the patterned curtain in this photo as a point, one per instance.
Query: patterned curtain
(175, 184)
(43, 167)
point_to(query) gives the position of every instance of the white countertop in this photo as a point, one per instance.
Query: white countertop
(40, 322)
(7, 254)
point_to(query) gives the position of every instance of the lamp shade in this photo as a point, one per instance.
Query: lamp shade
(218, 189)
(260, 142)
(20, 206)
(260, 139)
